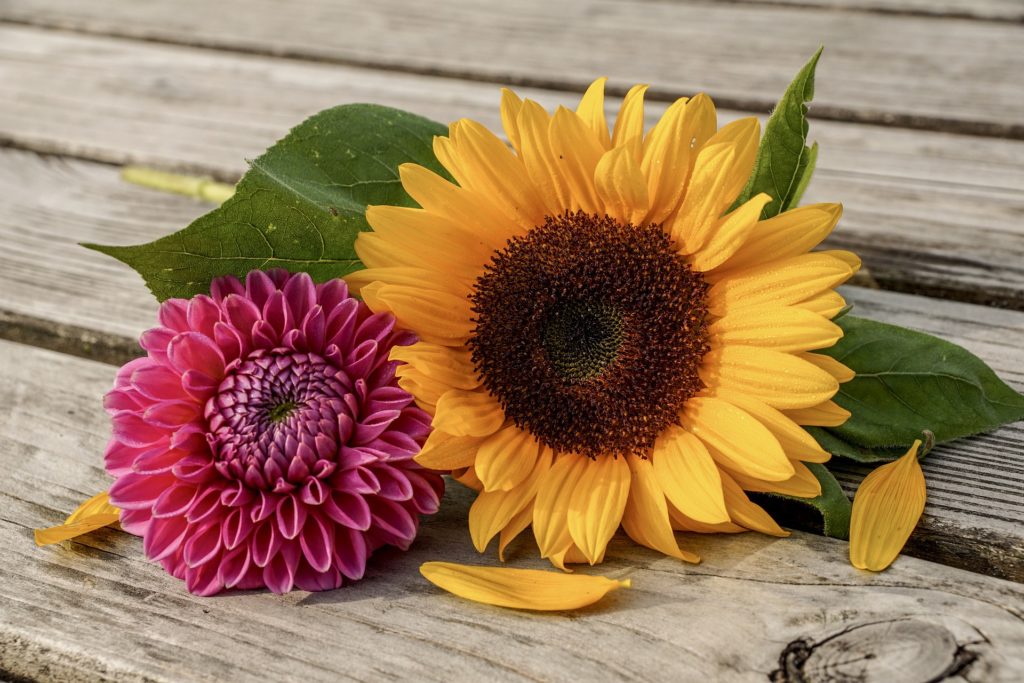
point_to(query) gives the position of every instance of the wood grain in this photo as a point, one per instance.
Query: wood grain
(880, 68)
(755, 607)
(990, 10)
(930, 213)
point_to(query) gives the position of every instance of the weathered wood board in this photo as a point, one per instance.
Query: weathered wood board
(755, 607)
(930, 213)
(683, 47)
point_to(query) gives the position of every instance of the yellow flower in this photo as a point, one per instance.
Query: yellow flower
(602, 342)
(886, 508)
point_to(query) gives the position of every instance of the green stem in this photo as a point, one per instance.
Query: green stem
(204, 189)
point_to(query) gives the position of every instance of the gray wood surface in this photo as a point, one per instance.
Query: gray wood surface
(929, 213)
(881, 67)
(992, 10)
(755, 606)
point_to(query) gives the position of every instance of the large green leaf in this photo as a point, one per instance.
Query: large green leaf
(832, 505)
(908, 382)
(299, 207)
(784, 161)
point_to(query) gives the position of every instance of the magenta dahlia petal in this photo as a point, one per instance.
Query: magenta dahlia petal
(263, 441)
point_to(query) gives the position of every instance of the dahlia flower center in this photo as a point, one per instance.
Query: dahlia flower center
(590, 333)
(274, 421)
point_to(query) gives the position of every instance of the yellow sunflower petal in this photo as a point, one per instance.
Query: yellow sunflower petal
(827, 304)
(779, 283)
(795, 441)
(492, 512)
(645, 518)
(506, 458)
(450, 365)
(468, 413)
(744, 135)
(705, 199)
(591, 111)
(467, 477)
(93, 514)
(578, 152)
(747, 513)
(511, 104)
(886, 508)
(539, 158)
(788, 234)
(425, 390)
(729, 234)
(681, 522)
(406, 276)
(803, 483)
(445, 452)
(782, 328)
(781, 380)
(436, 317)
(621, 186)
(825, 414)
(629, 124)
(515, 526)
(440, 243)
(830, 365)
(595, 509)
(688, 475)
(736, 438)
(530, 589)
(550, 509)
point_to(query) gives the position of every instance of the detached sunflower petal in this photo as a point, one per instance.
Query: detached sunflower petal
(530, 589)
(886, 508)
(93, 514)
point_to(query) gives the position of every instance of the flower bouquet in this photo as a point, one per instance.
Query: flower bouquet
(595, 325)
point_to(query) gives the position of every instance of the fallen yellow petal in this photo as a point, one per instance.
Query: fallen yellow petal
(95, 513)
(886, 508)
(531, 589)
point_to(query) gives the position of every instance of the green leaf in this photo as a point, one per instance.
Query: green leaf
(299, 207)
(833, 505)
(908, 382)
(784, 163)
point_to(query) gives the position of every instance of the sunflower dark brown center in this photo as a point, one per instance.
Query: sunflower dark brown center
(590, 333)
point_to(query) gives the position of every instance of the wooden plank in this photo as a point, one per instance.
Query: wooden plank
(881, 68)
(930, 213)
(753, 607)
(990, 10)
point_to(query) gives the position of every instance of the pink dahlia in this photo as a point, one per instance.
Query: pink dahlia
(264, 441)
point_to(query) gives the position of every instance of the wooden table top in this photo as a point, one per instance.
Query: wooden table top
(919, 112)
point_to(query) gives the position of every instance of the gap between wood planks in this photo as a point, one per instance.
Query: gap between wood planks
(886, 70)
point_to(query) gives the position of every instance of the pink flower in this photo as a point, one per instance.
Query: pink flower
(264, 440)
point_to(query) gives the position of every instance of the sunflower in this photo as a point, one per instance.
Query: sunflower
(603, 342)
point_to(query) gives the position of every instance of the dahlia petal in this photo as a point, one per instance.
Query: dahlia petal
(130, 429)
(313, 493)
(628, 131)
(118, 458)
(300, 293)
(597, 504)
(136, 522)
(174, 501)
(886, 508)
(308, 579)
(194, 469)
(781, 328)
(332, 294)
(395, 520)
(314, 328)
(689, 477)
(171, 414)
(163, 537)
(224, 286)
(373, 426)
(279, 572)
(530, 589)
(230, 342)
(349, 510)
(264, 336)
(425, 497)
(234, 566)
(202, 545)
(492, 511)
(291, 516)
(117, 400)
(235, 494)
(194, 351)
(134, 491)
(591, 111)
(393, 484)
(198, 384)
(205, 504)
(550, 526)
(173, 314)
(621, 185)
(202, 314)
(350, 552)
(235, 529)
(265, 506)
(748, 514)
(317, 543)
(157, 382)
(258, 287)
(264, 543)
(204, 580)
(736, 439)
(468, 413)
(645, 518)
(506, 458)
(155, 343)
(341, 325)
(779, 379)
(242, 314)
